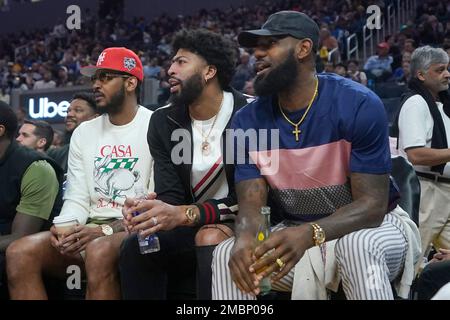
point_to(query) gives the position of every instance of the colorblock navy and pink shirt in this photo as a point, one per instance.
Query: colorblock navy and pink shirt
(345, 131)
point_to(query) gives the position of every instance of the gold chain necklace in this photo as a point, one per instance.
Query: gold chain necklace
(296, 131)
(206, 146)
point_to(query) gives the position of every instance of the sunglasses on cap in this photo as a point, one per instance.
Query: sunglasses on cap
(105, 76)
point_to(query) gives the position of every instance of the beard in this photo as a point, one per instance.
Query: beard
(115, 104)
(190, 90)
(279, 78)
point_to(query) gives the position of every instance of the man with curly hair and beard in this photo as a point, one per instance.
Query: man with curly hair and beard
(195, 203)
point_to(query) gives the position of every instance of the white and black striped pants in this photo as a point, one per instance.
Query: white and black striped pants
(362, 254)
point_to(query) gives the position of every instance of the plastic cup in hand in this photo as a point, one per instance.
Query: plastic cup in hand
(64, 225)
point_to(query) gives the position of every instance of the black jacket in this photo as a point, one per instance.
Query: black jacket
(60, 155)
(13, 166)
(173, 181)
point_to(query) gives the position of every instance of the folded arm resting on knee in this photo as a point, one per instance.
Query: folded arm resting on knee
(370, 194)
(284, 248)
(370, 198)
(154, 215)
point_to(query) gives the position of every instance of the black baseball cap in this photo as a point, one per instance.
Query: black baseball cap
(283, 23)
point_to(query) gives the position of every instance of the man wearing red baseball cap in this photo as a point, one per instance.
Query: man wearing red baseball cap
(109, 159)
(379, 66)
(117, 59)
(115, 63)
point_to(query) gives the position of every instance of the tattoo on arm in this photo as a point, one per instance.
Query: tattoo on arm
(117, 226)
(370, 195)
(252, 195)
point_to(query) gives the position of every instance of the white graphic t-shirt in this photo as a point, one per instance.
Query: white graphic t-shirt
(106, 163)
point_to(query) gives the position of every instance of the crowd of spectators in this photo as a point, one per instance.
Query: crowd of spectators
(45, 59)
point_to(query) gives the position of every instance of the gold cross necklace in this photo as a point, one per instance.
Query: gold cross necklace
(296, 131)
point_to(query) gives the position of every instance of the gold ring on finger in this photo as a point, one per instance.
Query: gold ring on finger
(280, 263)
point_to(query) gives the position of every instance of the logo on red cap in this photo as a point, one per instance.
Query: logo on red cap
(101, 58)
(119, 59)
(129, 63)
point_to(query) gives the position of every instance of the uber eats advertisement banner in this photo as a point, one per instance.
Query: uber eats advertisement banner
(48, 105)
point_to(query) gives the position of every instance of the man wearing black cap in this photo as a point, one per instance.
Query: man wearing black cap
(331, 190)
(109, 158)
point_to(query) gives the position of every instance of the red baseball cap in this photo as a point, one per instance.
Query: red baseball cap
(384, 45)
(117, 59)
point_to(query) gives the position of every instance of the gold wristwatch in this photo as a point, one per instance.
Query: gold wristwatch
(192, 215)
(318, 234)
